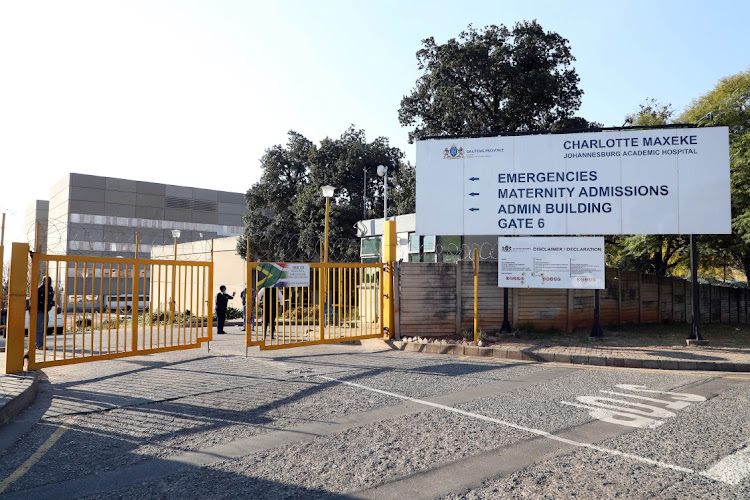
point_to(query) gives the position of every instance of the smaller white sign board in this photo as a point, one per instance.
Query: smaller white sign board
(554, 262)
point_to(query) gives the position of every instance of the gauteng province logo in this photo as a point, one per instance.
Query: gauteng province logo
(453, 153)
(506, 248)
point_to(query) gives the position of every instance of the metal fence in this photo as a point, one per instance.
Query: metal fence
(341, 303)
(104, 308)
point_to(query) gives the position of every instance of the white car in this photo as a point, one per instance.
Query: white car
(55, 320)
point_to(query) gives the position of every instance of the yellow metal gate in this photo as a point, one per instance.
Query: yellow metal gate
(340, 302)
(103, 308)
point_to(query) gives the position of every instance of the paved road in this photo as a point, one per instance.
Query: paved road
(366, 421)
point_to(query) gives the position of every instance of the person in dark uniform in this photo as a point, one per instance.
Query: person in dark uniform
(270, 300)
(45, 302)
(221, 307)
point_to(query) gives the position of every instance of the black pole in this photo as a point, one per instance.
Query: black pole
(596, 330)
(696, 331)
(506, 328)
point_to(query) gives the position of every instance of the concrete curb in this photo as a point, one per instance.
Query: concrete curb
(21, 400)
(505, 352)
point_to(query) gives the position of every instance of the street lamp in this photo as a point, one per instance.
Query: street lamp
(175, 235)
(383, 172)
(328, 193)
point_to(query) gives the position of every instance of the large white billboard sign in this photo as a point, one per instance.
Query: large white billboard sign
(557, 262)
(657, 181)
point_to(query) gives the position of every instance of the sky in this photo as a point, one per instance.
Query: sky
(193, 92)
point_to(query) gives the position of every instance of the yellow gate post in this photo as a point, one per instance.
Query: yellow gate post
(476, 294)
(389, 257)
(19, 264)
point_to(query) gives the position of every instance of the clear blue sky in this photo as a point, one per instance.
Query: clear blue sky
(193, 92)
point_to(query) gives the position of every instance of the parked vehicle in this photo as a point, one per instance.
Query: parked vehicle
(124, 303)
(55, 321)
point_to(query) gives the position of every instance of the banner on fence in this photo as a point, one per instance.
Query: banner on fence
(556, 262)
(648, 181)
(283, 274)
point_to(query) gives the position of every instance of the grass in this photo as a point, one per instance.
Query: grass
(672, 334)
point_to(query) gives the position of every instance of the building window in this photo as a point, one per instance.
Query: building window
(434, 248)
(369, 250)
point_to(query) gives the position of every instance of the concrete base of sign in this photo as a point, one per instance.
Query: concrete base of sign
(696, 342)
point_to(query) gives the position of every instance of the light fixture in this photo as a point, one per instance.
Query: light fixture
(383, 172)
(328, 193)
(176, 233)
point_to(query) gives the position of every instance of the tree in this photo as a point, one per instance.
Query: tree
(286, 210)
(494, 80)
(728, 104)
(653, 254)
(650, 113)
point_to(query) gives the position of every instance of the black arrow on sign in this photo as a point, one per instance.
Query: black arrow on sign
(473, 209)
(473, 178)
(473, 194)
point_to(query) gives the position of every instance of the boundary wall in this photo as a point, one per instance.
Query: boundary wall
(437, 299)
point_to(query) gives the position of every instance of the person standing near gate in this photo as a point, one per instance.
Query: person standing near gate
(245, 304)
(221, 307)
(270, 303)
(45, 301)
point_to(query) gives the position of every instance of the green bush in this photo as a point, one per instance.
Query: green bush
(234, 313)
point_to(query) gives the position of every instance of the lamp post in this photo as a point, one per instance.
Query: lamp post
(383, 172)
(328, 193)
(175, 235)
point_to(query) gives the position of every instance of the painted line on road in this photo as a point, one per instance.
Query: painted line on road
(732, 469)
(35, 457)
(716, 477)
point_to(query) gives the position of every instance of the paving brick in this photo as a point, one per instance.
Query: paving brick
(471, 350)
(579, 359)
(597, 361)
(414, 347)
(432, 348)
(633, 363)
(562, 357)
(670, 364)
(653, 364)
(614, 361)
(485, 352)
(688, 365)
(513, 354)
(498, 352)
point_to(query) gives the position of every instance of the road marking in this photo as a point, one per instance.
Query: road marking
(538, 432)
(35, 457)
(732, 469)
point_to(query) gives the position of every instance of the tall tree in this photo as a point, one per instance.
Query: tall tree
(494, 80)
(728, 104)
(286, 210)
(654, 253)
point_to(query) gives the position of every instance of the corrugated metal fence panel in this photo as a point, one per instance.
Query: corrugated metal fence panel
(609, 298)
(428, 299)
(490, 301)
(678, 300)
(630, 297)
(649, 293)
(542, 309)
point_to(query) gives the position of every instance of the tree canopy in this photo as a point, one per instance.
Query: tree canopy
(494, 80)
(286, 210)
(652, 253)
(728, 104)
